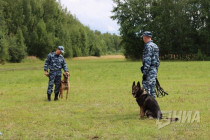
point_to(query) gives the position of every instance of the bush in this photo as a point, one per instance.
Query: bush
(17, 50)
(200, 56)
(4, 54)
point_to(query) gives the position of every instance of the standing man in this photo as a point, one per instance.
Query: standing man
(55, 62)
(151, 63)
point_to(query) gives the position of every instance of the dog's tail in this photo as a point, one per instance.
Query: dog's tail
(173, 119)
(159, 89)
(164, 117)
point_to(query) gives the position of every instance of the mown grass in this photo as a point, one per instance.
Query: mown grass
(100, 104)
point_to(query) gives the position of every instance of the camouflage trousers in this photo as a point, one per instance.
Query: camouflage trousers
(149, 83)
(54, 78)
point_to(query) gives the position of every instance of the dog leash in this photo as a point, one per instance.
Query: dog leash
(159, 90)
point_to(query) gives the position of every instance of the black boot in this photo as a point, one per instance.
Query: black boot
(56, 97)
(49, 97)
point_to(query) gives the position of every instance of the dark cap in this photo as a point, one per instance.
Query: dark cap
(61, 48)
(147, 33)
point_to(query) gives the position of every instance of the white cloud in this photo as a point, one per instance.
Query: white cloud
(111, 29)
(93, 13)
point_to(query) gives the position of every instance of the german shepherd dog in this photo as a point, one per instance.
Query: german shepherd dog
(148, 105)
(64, 86)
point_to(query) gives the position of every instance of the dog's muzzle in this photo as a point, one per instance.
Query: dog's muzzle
(134, 95)
(66, 76)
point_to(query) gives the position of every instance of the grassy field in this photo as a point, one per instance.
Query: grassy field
(100, 105)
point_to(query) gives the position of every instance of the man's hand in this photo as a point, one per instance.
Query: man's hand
(144, 77)
(67, 73)
(46, 73)
(142, 68)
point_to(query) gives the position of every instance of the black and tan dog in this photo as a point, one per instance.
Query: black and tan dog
(148, 105)
(64, 86)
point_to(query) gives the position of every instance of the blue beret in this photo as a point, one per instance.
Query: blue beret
(61, 48)
(147, 33)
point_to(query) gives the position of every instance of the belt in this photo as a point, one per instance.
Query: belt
(56, 70)
(152, 66)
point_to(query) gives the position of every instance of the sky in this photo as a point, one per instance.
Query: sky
(93, 13)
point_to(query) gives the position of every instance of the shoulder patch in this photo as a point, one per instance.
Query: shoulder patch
(156, 49)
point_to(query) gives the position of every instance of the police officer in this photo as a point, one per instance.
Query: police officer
(151, 63)
(55, 62)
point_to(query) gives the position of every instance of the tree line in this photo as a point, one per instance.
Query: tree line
(37, 27)
(181, 28)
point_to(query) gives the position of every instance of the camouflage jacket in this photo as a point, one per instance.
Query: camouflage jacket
(150, 57)
(55, 62)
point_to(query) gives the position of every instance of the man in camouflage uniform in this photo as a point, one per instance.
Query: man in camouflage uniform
(151, 63)
(55, 62)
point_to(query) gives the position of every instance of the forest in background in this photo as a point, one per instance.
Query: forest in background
(37, 27)
(181, 28)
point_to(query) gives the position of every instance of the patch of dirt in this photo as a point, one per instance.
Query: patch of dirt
(32, 57)
(96, 137)
(21, 69)
(101, 57)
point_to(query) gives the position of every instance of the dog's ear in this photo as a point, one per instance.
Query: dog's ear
(133, 84)
(138, 84)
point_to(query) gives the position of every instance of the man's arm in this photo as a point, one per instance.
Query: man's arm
(65, 68)
(147, 60)
(46, 65)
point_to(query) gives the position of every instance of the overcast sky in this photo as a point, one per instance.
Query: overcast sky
(93, 13)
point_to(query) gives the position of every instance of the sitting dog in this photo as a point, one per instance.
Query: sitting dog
(64, 86)
(148, 105)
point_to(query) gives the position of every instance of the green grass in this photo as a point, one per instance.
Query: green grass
(100, 104)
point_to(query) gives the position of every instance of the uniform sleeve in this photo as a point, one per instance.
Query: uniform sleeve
(65, 68)
(47, 63)
(147, 59)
